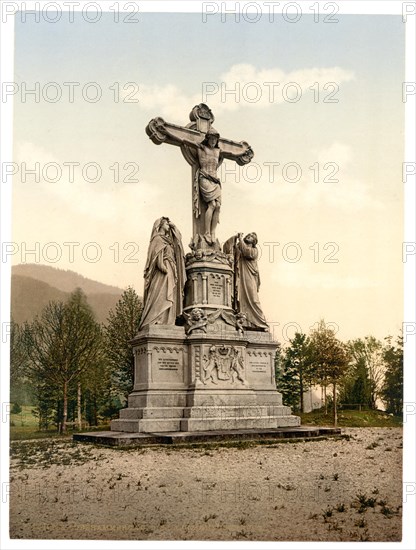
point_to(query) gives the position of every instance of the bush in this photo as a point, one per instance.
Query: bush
(16, 409)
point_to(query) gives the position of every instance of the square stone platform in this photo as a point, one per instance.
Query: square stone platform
(126, 439)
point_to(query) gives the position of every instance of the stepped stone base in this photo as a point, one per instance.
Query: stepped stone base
(191, 419)
(136, 439)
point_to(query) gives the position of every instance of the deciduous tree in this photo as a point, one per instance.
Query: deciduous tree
(329, 358)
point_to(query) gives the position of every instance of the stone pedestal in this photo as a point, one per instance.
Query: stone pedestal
(209, 286)
(213, 379)
(210, 373)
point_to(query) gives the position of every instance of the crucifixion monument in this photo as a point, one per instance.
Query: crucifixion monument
(204, 356)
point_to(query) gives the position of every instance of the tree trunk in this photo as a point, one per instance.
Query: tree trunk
(335, 405)
(79, 412)
(325, 401)
(95, 411)
(58, 416)
(65, 409)
(301, 391)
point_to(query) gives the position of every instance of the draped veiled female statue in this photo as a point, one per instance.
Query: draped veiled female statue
(246, 279)
(164, 275)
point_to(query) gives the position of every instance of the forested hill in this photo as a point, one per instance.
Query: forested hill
(30, 292)
(62, 279)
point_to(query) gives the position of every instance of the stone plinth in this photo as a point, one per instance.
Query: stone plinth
(208, 286)
(209, 290)
(209, 374)
(161, 381)
(203, 381)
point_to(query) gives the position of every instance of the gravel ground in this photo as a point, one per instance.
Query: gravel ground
(345, 489)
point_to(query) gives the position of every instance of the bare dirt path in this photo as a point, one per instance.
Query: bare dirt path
(332, 490)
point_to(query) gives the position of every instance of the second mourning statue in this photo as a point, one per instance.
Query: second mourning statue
(247, 279)
(164, 275)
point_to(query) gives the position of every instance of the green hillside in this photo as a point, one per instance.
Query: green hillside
(30, 295)
(63, 279)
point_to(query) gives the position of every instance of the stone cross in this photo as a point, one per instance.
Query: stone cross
(204, 150)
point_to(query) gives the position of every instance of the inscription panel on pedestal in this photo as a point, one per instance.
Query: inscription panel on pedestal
(259, 366)
(167, 364)
(140, 365)
(216, 291)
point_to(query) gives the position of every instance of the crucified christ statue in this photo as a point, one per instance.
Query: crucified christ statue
(204, 150)
(209, 186)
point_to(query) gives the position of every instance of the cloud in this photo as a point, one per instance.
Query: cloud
(100, 201)
(243, 86)
(338, 186)
(292, 275)
(266, 87)
(328, 181)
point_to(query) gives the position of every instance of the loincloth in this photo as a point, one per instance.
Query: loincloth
(209, 187)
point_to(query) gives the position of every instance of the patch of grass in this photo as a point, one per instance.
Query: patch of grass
(387, 511)
(334, 527)
(327, 513)
(23, 433)
(364, 502)
(365, 536)
(242, 535)
(43, 454)
(211, 516)
(25, 418)
(25, 425)
(372, 445)
(340, 507)
(352, 419)
(361, 523)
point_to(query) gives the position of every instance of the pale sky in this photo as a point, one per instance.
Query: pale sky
(170, 57)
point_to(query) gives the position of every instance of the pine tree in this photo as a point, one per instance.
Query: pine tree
(295, 377)
(122, 327)
(369, 353)
(355, 387)
(392, 390)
